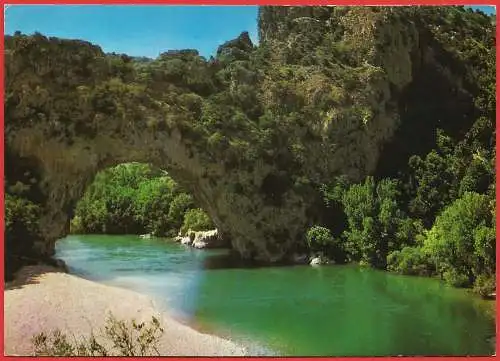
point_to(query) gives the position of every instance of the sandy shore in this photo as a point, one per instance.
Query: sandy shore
(42, 299)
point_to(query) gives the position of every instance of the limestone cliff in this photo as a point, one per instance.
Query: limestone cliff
(251, 133)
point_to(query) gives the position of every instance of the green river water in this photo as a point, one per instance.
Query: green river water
(290, 311)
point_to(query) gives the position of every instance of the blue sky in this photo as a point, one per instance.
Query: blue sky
(139, 30)
(486, 9)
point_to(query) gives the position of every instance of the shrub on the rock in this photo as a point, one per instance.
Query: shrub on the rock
(196, 220)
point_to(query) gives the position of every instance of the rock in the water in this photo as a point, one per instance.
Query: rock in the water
(491, 296)
(207, 239)
(186, 240)
(200, 244)
(179, 237)
(317, 261)
(145, 236)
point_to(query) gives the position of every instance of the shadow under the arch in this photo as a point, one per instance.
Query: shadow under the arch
(232, 260)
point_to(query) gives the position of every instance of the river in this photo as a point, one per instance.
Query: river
(292, 311)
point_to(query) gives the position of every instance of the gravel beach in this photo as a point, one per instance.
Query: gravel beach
(43, 299)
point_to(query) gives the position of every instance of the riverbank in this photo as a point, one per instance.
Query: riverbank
(44, 299)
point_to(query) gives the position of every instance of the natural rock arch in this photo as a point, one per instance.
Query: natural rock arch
(67, 170)
(69, 155)
(251, 142)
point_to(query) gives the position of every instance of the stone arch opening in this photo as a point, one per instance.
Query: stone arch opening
(65, 171)
(140, 199)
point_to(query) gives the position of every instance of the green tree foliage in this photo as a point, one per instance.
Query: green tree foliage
(461, 243)
(153, 201)
(374, 219)
(450, 191)
(181, 204)
(134, 198)
(21, 227)
(319, 238)
(21, 216)
(451, 170)
(196, 220)
(410, 261)
(434, 178)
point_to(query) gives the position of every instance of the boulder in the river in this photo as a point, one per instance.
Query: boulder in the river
(186, 240)
(200, 244)
(146, 236)
(318, 260)
(207, 239)
(491, 296)
(179, 237)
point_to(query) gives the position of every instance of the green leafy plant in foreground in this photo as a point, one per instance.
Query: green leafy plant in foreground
(119, 338)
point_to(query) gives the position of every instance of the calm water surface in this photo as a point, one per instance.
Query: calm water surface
(298, 310)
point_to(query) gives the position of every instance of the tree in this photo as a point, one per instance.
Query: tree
(178, 207)
(410, 261)
(196, 220)
(462, 241)
(21, 230)
(319, 238)
(374, 218)
(433, 179)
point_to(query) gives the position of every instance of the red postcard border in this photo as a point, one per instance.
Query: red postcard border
(246, 2)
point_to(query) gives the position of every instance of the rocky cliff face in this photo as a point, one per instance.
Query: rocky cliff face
(251, 134)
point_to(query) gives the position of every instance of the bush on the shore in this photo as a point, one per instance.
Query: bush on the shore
(196, 220)
(374, 220)
(178, 208)
(119, 338)
(319, 238)
(485, 285)
(409, 261)
(462, 240)
(21, 231)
